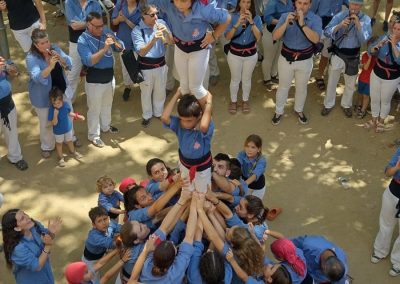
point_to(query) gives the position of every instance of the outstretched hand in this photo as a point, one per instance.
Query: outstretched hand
(54, 225)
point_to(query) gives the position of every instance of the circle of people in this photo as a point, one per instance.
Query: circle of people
(205, 221)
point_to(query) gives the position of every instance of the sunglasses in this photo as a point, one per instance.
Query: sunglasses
(152, 15)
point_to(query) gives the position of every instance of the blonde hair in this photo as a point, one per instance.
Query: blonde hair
(103, 180)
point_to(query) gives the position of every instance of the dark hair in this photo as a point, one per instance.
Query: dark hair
(130, 200)
(189, 106)
(223, 157)
(55, 94)
(151, 163)
(212, 268)
(252, 8)
(127, 236)
(281, 276)
(11, 237)
(256, 207)
(36, 35)
(93, 15)
(163, 257)
(96, 212)
(255, 139)
(333, 268)
(145, 8)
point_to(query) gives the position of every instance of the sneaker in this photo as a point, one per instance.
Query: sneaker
(373, 20)
(46, 154)
(145, 122)
(77, 143)
(348, 112)
(61, 163)
(112, 130)
(394, 272)
(325, 111)
(275, 79)
(214, 80)
(98, 143)
(267, 82)
(385, 26)
(125, 95)
(78, 155)
(375, 259)
(276, 119)
(302, 118)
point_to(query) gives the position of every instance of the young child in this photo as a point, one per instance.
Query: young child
(253, 165)
(60, 116)
(194, 129)
(161, 177)
(100, 239)
(109, 198)
(367, 62)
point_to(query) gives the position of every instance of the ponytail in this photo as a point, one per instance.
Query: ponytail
(285, 250)
(256, 207)
(163, 257)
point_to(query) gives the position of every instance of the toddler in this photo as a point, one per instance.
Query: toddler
(109, 198)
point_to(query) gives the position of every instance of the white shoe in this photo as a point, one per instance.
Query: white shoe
(375, 259)
(394, 272)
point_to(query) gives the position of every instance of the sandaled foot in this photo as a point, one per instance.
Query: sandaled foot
(245, 107)
(232, 107)
(369, 125)
(380, 127)
(320, 84)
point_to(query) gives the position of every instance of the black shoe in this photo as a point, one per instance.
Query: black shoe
(276, 119)
(126, 94)
(385, 26)
(325, 111)
(302, 118)
(275, 79)
(260, 58)
(146, 122)
(373, 20)
(348, 112)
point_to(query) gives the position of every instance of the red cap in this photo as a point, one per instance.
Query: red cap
(75, 271)
(125, 183)
(144, 183)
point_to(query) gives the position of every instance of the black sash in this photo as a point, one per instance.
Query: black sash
(146, 63)
(243, 50)
(189, 46)
(92, 256)
(200, 163)
(99, 76)
(292, 55)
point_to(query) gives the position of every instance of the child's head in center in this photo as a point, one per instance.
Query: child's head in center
(252, 146)
(105, 185)
(189, 111)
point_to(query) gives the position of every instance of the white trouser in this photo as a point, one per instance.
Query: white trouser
(153, 91)
(169, 60)
(201, 180)
(73, 76)
(300, 71)
(212, 62)
(192, 68)
(327, 44)
(125, 75)
(271, 55)
(336, 67)
(47, 140)
(387, 223)
(11, 137)
(241, 70)
(90, 265)
(24, 36)
(259, 192)
(381, 93)
(99, 102)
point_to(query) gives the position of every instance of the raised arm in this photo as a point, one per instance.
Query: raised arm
(160, 203)
(165, 117)
(192, 222)
(137, 268)
(206, 118)
(116, 267)
(239, 271)
(222, 208)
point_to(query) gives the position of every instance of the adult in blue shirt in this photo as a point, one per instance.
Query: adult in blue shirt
(95, 47)
(272, 48)
(244, 31)
(326, 10)
(149, 40)
(326, 262)
(348, 30)
(27, 246)
(47, 65)
(8, 115)
(385, 77)
(126, 15)
(76, 12)
(389, 217)
(300, 31)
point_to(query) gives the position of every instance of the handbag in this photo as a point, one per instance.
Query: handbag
(132, 66)
(318, 47)
(113, 27)
(227, 46)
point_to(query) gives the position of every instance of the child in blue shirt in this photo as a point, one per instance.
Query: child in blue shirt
(60, 116)
(109, 198)
(161, 177)
(100, 239)
(194, 129)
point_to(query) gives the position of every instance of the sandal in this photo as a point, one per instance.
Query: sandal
(361, 114)
(380, 127)
(245, 107)
(370, 124)
(273, 213)
(232, 108)
(320, 84)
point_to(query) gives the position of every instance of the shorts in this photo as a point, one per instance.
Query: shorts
(201, 180)
(363, 88)
(66, 137)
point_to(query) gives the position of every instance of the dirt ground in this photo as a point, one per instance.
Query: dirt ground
(304, 164)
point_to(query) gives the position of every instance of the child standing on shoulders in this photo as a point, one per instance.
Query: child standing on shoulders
(60, 116)
(194, 129)
(109, 198)
(253, 165)
(367, 62)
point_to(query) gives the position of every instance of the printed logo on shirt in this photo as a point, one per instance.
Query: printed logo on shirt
(196, 145)
(195, 33)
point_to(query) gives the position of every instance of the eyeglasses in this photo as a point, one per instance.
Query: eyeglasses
(152, 15)
(97, 26)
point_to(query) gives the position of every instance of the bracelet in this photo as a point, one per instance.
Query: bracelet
(46, 252)
(252, 24)
(212, 33)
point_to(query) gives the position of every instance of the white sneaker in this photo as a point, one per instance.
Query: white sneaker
(375, 259)
(394, 272)
(61, 163)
